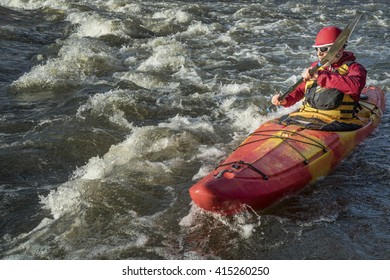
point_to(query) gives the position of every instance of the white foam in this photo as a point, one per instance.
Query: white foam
(69, 196)
(118, 155)
(166, 57)
(146, 80)
(233, 89)
(248, 119)
(32, 4)
(244, 223)
(209, 156)
(122, 7)
(107, 104)
(382, 80)
(381, 21)
(189, 75)
(78, 61)
(195, 124)
(178, 16)
(227, 39)
(260, 28)
(92, 25)
(190, 219)
(129, 157)
(197, 29)
(66, 199)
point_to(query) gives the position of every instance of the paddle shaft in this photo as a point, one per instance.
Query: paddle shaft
(293, 87)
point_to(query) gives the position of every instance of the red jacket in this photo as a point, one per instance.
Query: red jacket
(352, 83)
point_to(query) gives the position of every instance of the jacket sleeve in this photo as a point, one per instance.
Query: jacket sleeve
(295, 95)
(352, 83)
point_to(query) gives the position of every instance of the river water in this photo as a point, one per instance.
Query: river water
(111, 110)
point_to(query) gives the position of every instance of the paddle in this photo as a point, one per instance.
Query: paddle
(336, 47)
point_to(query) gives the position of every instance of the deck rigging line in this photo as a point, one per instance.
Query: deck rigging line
(287, 140)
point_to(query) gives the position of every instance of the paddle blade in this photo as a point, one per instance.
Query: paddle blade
(263, 110)
(341, 40)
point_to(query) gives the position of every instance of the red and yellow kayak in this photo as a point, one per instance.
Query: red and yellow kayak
(278, 160)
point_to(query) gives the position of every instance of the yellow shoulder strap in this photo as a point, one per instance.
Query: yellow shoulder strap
(343, 69)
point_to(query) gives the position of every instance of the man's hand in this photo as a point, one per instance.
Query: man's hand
(275, 100)
(306, 75)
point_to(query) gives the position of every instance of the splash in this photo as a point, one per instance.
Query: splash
(108, 104)
(79, 62)
(167, 56)
(244, 223)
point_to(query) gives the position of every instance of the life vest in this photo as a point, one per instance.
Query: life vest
(329, 101)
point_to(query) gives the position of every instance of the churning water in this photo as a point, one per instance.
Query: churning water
(111, 110)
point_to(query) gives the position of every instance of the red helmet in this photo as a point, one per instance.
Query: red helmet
(327, 36)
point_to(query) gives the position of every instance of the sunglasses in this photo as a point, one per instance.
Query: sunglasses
(323, 49)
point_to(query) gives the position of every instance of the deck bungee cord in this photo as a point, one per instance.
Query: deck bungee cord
(286, 140)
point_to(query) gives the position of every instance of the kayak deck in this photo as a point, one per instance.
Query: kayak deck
(278, 160)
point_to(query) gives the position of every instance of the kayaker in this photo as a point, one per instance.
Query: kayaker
(332, 90)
